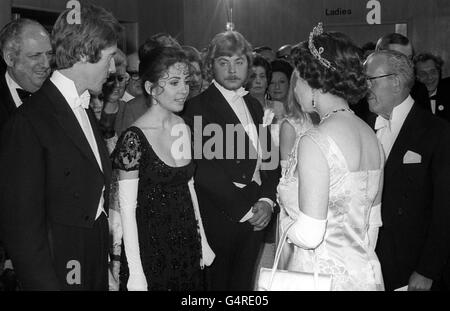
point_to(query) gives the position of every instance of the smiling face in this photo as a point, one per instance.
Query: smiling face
(428, 74)
(31, 66)
(231, 72)
(172, 89)
(279, 86)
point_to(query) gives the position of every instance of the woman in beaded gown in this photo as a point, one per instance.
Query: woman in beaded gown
(164, 242)
(330, 191)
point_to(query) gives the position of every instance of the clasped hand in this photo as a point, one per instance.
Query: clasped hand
(262, 213)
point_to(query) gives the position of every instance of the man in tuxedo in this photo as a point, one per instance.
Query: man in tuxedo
(55, 165)
(414, 242)
(429, 72)
(235, 182)
(400, 43)
(27, 52)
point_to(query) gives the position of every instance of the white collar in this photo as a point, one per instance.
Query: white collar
(400, 112)
(230, 96)
(10, 81)
(67, 88)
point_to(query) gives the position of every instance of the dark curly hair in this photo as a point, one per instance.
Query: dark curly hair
(347, 80)
(156, 63)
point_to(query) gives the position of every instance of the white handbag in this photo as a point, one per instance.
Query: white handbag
(283, 280)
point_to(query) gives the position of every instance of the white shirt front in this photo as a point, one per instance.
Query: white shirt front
(12, 85)
(236, 101)
(67, 88)
(127, 97)
(433, 102)
(388, 134)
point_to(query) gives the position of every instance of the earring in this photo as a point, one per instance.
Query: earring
(313, 96)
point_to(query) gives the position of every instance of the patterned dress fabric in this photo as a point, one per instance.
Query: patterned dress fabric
(169, 241)
(344, 252)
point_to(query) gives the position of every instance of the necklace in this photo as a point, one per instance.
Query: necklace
(329, 114)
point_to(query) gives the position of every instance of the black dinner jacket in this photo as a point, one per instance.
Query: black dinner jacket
(7, 105)
(49, 175)
(214, 177)
(443, 99)
(415, 235)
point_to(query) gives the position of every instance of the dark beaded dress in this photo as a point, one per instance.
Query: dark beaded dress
(169, 242)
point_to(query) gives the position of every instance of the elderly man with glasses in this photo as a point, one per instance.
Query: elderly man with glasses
(413, 244)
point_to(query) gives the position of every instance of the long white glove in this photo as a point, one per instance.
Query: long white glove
(207, 253)
(307, 232)
(128, 189)
(375, 223)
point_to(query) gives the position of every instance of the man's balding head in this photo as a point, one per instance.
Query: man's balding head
(27, 52)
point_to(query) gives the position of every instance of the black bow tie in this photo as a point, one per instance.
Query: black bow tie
(434, 97)
(23, 94)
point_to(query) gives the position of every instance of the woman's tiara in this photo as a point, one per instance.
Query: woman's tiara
(318, 30)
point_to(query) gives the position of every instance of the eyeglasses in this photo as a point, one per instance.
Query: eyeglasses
(370, 79)
(119, 78)
(134, 75)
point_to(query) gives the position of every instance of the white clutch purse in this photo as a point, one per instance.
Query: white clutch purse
(283, 280)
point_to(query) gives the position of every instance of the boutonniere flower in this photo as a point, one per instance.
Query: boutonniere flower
(440, 107)
(268, 117)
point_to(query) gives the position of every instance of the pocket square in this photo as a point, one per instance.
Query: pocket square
(411, 157)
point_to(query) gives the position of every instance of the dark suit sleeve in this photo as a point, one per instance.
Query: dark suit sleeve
(22, 205)
(436, 250)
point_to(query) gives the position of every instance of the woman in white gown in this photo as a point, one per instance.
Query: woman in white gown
(330, 190)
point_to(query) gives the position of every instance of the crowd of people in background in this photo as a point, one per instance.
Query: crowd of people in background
(109, 181)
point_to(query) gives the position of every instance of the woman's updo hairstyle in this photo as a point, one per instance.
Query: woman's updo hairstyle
(156, 62)
(344, 77)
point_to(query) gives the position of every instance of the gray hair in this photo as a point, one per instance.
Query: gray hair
(401, 65)
(10, 35)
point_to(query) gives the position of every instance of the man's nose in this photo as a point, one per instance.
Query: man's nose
(232, 68)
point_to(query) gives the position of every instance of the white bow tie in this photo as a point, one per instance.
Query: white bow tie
(381, 122)
(239, 93)
(82, 101)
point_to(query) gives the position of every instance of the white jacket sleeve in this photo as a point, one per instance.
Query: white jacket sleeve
(128, 189)
(307, 232)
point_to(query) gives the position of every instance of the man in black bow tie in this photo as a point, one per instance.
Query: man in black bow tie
(27, 52)
(53, 207)
(429, 72)
(236, 190)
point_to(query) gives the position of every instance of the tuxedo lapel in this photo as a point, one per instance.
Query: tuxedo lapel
(222, 109)
(67, 120)
(405, 141)
(226, 115)
(6, 98)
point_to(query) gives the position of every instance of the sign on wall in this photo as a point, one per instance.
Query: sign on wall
(351, 12)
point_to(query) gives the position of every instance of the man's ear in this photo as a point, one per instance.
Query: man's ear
(397, 84)
(9, 57)
(148, 88)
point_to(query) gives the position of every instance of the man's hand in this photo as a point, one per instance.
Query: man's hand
(419, 282)
(262, 215)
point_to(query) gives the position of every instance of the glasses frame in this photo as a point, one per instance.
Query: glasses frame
(370, 79)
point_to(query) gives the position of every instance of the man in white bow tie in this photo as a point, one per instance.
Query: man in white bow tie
(414, 242)
(55, 166)
(236, 190)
